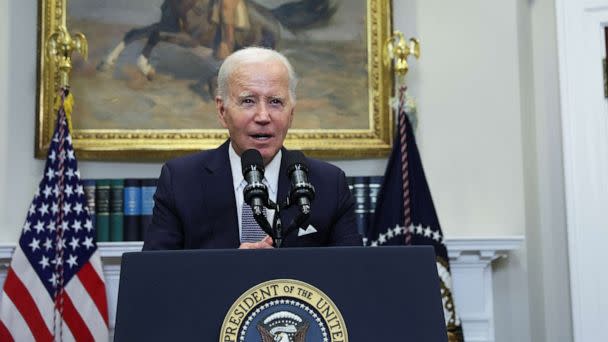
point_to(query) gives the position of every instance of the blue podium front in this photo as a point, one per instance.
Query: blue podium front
(283, 295)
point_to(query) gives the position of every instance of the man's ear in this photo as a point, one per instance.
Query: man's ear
(221, 111)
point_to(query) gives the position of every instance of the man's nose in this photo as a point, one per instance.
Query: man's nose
(262, 114)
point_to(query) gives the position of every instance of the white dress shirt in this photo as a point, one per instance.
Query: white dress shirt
(271, 180)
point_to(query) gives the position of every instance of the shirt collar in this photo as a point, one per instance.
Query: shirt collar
(271, 171)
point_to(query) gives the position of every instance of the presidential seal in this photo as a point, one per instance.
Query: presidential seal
(283, 310)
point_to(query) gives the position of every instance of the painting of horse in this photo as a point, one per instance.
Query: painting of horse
(153, 63)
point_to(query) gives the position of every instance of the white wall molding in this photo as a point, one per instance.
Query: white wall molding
(484, 248)
(471, 263)
(470, 259)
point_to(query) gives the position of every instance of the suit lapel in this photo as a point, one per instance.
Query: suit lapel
(221, 208)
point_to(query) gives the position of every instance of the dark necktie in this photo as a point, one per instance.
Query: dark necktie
(251, 231)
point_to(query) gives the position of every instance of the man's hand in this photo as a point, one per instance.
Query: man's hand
(264, 243)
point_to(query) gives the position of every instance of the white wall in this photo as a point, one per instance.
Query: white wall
(19, 172)
(470, 129)
(546, 218)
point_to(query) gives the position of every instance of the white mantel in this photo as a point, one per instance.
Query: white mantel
(470, 260)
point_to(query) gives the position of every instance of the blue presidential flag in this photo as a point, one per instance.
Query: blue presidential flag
(405, 214)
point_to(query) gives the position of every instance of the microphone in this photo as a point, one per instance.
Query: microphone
(302, 192)
(255, 193)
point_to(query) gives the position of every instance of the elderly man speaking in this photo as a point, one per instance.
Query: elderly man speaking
(199, 199)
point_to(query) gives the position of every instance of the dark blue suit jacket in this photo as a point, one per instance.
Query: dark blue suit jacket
(195, 205)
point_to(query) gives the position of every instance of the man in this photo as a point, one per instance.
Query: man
(199, 198)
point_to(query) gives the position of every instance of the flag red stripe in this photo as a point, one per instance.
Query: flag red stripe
(23, 301)
(95, 288)
(5, 335)
(72, 318)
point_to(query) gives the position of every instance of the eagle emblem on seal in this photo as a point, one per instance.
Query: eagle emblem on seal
(283, 326)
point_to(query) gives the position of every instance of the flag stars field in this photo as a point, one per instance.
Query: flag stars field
(35, 244)
(50, 226)
(68, 190)
(50, 174)
(69, 173)
(72, 261)
(48, 244)
(78, 208)
(43, 209)
(44, 262)
(74, 243)
(399, 231)
(47, 191)
(39, 227)
(79, 189)
(67, 208)
(88, 243)
(77, 226)
(88, 224)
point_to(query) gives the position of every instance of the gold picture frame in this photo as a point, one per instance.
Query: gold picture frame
(144, 144)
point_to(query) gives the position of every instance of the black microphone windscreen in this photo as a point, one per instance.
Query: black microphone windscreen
(252, 157)
(296, 158)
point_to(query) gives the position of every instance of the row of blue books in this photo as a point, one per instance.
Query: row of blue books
(121, 208)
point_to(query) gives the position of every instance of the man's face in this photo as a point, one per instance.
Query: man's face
(258, 110)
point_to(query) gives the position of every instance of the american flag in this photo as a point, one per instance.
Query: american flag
(54, 289)
(405, 213)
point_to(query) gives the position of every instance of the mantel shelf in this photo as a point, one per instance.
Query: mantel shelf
(484, 248)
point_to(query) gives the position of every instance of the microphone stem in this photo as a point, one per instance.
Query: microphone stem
(277, 229)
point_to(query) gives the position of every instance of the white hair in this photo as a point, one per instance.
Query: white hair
(252, 54)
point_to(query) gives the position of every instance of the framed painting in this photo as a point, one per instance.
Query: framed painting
(146, 90)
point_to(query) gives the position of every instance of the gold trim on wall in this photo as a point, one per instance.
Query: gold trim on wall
(151, 144)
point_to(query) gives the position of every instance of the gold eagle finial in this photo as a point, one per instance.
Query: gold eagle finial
(398, 50)
(59, 48)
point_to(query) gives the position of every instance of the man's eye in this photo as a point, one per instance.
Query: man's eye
(276, 102)
(247, 101)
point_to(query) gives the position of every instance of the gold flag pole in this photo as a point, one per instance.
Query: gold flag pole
(397, 53)
(59, 47)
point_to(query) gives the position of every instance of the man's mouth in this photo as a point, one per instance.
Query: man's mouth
(261, 136)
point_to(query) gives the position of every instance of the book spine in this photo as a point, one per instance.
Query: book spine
(116, 209)
(102, 209)
(148, 188)
(375, 183)
(132, 209)
(89, 191)
(361, 194)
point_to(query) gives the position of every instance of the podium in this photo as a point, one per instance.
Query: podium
(292, 294)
